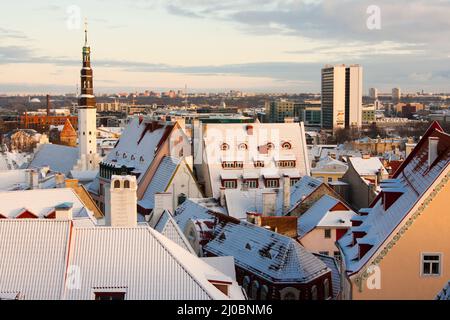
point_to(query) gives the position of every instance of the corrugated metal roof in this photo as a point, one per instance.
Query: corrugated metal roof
(33, 257)
(148, 265)
(38, 254)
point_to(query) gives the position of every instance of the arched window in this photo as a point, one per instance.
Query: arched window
(286, 146)
(224, 147)
(246, 283)
(255, 289)
(264, 292)
(116, 184)
(270, 146)
(314, 292)
(326, 288)
(243, 146)
(126, 184)
(181, 199)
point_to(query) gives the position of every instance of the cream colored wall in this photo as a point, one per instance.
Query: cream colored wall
(325, 176)
(183, 182)
(401, 267)
(315, 241)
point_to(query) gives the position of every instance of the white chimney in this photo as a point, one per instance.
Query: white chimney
(286, 194)
(222, 197)
(64, 211)
(432, 150)
(60, 180)
(121, 202)
(163, 201)
(34, 179)
(269, 200)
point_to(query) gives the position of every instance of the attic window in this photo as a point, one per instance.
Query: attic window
(141, 159)
(286, 146)
(243, 146)
(117, 153)
(124, 155)
(270, 146)
(109, 295)
(224, 147)
(222, 237)
(133, 157)
(248, 246)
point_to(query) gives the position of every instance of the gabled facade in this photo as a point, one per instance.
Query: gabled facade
(323, 224)
(399, 247)
(139, 152)
(248, 156)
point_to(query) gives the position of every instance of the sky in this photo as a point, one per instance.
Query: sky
(218, 45)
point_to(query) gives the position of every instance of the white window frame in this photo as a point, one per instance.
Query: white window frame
(422, 262)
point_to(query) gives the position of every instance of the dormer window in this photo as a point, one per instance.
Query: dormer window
(141, 159)
(133, 157)
(248, 246)
(117, 153)
(124, 155)
(286, 146)
(224, 147)
(270, 146)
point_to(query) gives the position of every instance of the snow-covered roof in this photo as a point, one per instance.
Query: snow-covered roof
(138, 144)
(239, 202)
(272, 256)
(59, 158)
(197, 209)
(14, 160)
(416, 180)
(322, 215)
(33, 255)
(41, 202)
(168, 227)
(335, 273)
(37, 255)
(367, 166)
(445, 293)
(84, 176)
(330, 165)
(160, 181)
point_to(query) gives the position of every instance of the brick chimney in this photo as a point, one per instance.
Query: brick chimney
(121, 202)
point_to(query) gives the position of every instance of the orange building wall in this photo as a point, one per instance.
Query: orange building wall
(401, 267)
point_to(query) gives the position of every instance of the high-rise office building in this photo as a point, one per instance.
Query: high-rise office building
(341, 96)
(396, 94)
(373, 93)
(277, 110)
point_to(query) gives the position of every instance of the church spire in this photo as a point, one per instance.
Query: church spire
(87, 98)
(85, 33)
